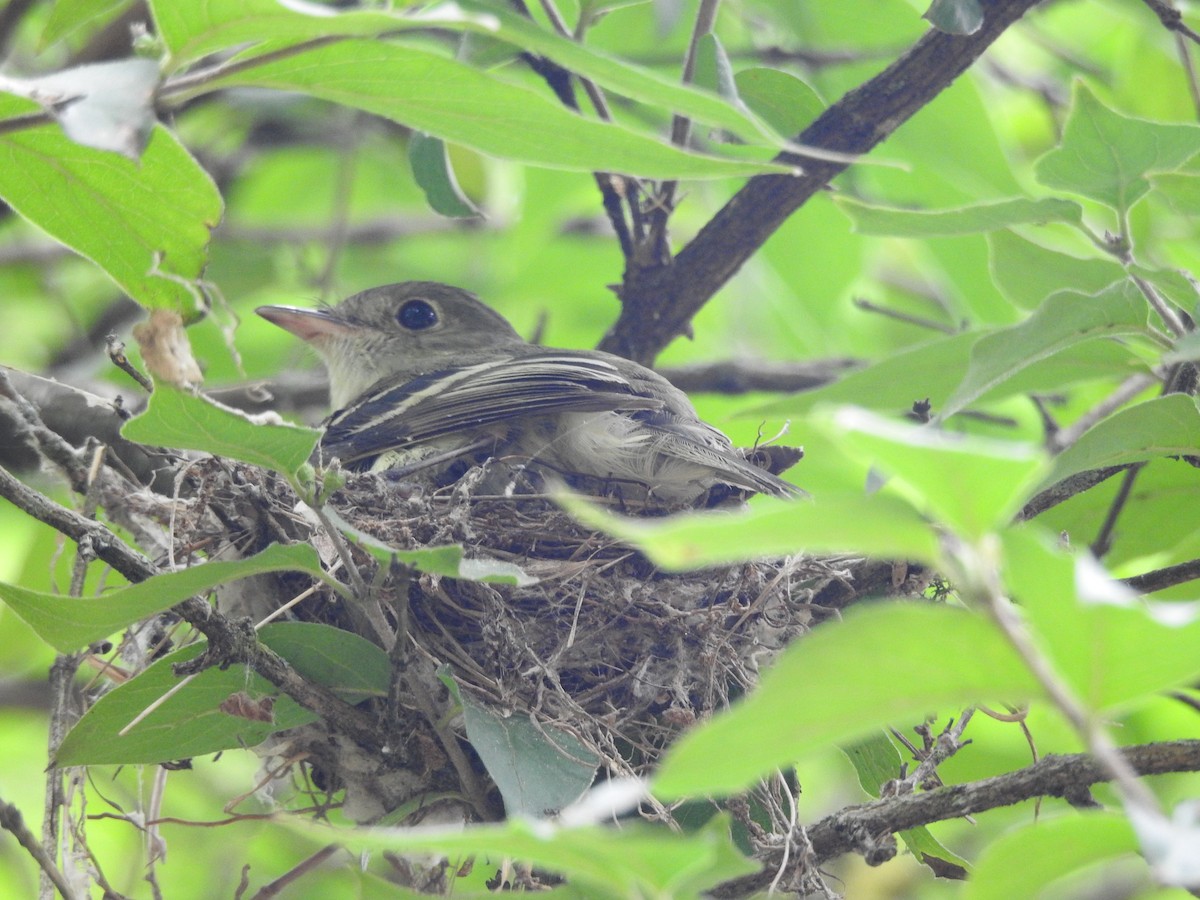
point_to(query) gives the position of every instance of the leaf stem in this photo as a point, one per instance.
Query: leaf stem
(181, 84)
(681, 129)
(985, 585)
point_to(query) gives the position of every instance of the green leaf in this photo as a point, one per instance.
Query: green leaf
(1164, 426)
(934, 370)
(1065, 319)
(191, 722)
(1180, 190)
(713, 70)
(955, 16)
(349, 665)
(930, 370)
(1112, 648)
(784, 101)
(876, 761)
(183, 421)
(193, 31)
(1026, 862)
(68, 623)
(433, 174)
(894, 663)
(462, 105)
(1174, 285)
(146, 224)
(622, 76)
(1186, 349)
(71, 17)
(970, 484)
(539, 769)
(888, 220)
(635, 860)
(875, 525)
(1106, 156)
(1028, 273)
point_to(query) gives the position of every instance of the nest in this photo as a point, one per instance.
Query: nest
(602, 645)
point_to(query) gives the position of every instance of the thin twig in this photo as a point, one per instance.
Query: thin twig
(595, 95)
(681, 128)
(1065, 490)
(382, 230)
(1013, 626)
(223, 636)
(21, 123)
(741, 376)
(363, 596)
(106, 545)
(62, 681)
(920, 321)
(614, 189)
(1172, 19)
(188, 679)
(342, 191)
(1103, 540)
(183, 83)
(1126, 391)
(12, 822)
(793, 824)
(52, 444)
(296, 872)
(1160, 305)
(1168, 576)
(115, 348)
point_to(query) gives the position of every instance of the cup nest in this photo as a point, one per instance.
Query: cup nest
(599, 643)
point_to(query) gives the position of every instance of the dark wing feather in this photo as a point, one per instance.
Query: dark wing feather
(468, 399)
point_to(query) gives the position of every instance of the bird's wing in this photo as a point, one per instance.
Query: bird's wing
(469, 399)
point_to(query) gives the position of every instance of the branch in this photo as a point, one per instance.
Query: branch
(658, 304)
(850, 829)
(101, 541)
(1172, 19)
(1161, 579)
(228, 642)
(743, 376)
(53, 418)
(1066, 489)
(657, 251)
(12, 822)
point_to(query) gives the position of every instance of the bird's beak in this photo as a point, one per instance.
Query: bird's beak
(311, 325)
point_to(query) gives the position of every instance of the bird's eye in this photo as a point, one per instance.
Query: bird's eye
(416, 315)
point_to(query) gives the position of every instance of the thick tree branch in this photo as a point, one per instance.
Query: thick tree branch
(658, 303)
(851, 829)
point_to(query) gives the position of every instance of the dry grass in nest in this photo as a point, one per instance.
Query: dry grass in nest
(602, 645)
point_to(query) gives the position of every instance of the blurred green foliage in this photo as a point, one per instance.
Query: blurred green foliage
(313, 199)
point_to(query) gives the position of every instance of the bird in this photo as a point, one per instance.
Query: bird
(422, 373)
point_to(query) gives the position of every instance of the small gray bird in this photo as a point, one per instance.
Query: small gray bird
(426, 371)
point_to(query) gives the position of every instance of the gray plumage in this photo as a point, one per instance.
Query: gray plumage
(421, 366)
